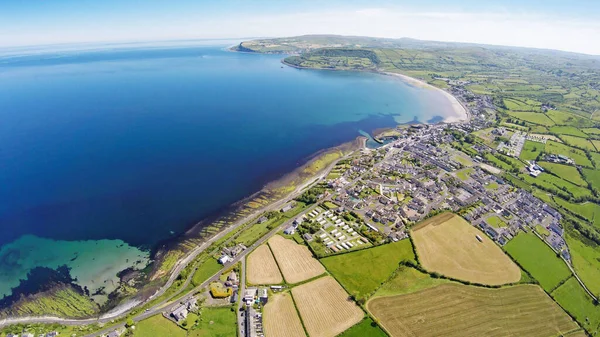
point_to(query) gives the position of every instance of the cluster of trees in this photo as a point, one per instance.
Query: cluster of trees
(312, 195)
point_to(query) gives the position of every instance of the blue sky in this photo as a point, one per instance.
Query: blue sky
(566, 25)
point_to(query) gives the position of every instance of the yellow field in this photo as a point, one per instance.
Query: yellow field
(447, 244)
(325, 307)
(295, 261)
(458, 310)
(261, 267)
(281, 318)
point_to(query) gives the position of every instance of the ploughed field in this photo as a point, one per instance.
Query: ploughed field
(326, 309)
(449, 245)
(281, 318)
(458, 310)
(262, 268)
(295, 261)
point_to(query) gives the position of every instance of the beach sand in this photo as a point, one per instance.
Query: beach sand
(460, 111)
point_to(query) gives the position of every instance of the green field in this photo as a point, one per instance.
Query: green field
(408, 280)
(464, 174)
(588, 210)
(577, 155)
(538, 259)
(596, 144)
(566, 172)
(591, 131)
(207, 269)
(215, 322)
(595, 158)
(568, 130)
(542, 231)
(362, 272)
(532, 117)
(556, 185)
(592, 177)
(565, 118)
(531, 150)
(495, 221)
(576, 302)
(366, 328)
(579, 142)
(158, 326)
(586, 261)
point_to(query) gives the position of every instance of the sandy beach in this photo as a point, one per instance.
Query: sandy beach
(461, 112)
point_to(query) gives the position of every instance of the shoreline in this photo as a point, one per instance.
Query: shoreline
(459, 108)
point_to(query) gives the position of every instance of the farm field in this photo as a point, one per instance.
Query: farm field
(366, 328)
(568, 130)
(556, 185)
(262, 268)
(574, 300)
(295, 261)
(596, 144)
(532, 117)
(576, 154)
(577, 142)
(215, 322)
(568, 173)
(364, 280)
(538, 259)
(408, 280)
(157, 325)
(447, 244)
(588, 210)
(593, 177)
(459, 310)
(591, 131)
(325, 307)
(281, 318)
(207, 269)
(531, 150)
(586, 261)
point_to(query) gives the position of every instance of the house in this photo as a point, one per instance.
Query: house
(52, 334)
(232, 277)
(234, 297)
(307, 237)
(262, 219)
(262, 295)
(224, 259)
(289, 231)
(11, 335)
(180, 313)
(287, 207)
(27, 334)
(249, 294)
(113, 334)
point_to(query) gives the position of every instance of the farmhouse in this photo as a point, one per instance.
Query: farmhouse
(180, 313)
(287, 207)
(289, 231)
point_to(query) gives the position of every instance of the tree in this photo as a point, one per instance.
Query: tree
(129, 322)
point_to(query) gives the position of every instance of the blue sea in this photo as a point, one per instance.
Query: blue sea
(137, 143)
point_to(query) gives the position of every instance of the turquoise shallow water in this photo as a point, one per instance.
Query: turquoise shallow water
(137, 144)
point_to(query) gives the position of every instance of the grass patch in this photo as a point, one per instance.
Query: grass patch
(532, 117)
(588, 210)
(207, 269)
(408, 280)
(495, 221)
(531, 150)
(158, 326)
(592, 177)
(575, 300)
(556, 185)
(586, 261)
(366, 328)
(464, 174)
(568, 130)
(569, 173)
(363, 271)
(215, 322)
(577, 155)
(541, 230)
(578, 142)
(538, 259)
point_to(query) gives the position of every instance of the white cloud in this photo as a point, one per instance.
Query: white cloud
(501, 28)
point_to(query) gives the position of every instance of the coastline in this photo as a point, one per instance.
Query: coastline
(461, 111)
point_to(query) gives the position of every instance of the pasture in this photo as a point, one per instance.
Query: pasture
(577, 155)
(262, 268)
(358, 272)
(556, 185)
(295, 261)
(532, 117)
(206, 269)
(567, 172)
(574, 300)
(459, 310)
(281, 318)
(157, 326)
(579, 142)
(586, 261)
(214, 322)
(408, 280)
(593, 177)
(326, 309)
(531, 150)
(366, 328)
(568, 130)
(588, 210)
(538, 259)
(448, 245)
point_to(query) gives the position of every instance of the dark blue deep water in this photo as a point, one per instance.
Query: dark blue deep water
(134, 143)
